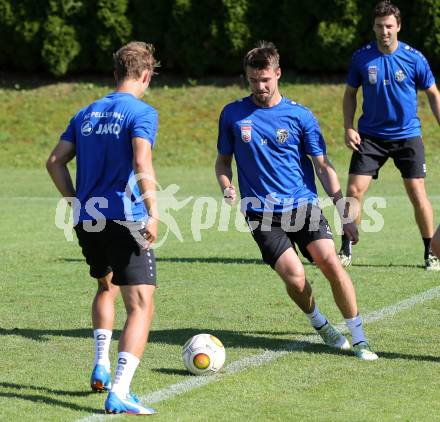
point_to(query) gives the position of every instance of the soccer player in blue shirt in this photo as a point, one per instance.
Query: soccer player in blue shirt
(390, 73)
(271, 138)
(114, 205)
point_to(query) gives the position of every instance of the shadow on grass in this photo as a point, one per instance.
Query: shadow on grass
(387, 266)
(178, 336)
(44, 399)
(192, 260)
(247, 261)
(11, 385)
(258, 340)
(314, 348)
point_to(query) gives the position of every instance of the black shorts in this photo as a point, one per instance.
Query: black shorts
(114, 249)
(408, 155)
(283, 231)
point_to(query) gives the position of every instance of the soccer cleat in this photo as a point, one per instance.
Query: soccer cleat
(100, 379)
(344, 259)
(130, 405)
(363, 351)
(432, 263)
(332, 337)
(344, 254)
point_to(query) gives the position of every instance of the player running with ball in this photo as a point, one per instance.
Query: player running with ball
(271, 138)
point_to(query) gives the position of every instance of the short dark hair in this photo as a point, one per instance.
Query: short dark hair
(133, 58)
(264, 55)
(386, 8)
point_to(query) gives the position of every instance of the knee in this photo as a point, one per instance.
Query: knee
(328, 261)
(419, 199)
(355, 191)
(294, 279)
(143, 304)
(106, 286)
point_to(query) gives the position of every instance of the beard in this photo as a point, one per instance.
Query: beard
(262, 98)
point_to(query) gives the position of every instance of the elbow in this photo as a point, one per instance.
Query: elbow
(50, 163)
(141, 166)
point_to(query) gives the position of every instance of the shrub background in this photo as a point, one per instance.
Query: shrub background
(199, 37)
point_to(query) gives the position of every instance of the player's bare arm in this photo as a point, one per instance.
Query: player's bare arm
(223, 171)
(433, 95)
(143, 166)
(56, 165)
(329, 180)
(349, 104)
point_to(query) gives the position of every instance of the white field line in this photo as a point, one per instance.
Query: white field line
(269, 355)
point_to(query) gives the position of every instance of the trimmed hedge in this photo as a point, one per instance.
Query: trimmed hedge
(197, 37)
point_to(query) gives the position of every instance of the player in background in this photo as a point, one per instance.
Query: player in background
(271, 137)
(114, 202)
(390, 73)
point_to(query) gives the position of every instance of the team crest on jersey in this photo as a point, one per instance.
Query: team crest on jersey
(246, 133)
(282, 135)
(372, 74)
(400, 76)
(86, 128)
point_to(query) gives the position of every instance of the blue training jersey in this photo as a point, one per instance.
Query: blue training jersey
(270, 146)
(389, 86)
(102, 134)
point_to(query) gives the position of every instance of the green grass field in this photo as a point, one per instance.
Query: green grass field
(276, 369)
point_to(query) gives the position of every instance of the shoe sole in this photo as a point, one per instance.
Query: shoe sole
(116, 412)
(99, 387)
(367, 359)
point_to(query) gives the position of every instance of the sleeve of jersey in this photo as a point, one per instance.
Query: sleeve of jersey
(225, 141)
(354, 78)
(313, 140)
(425, 78)
(69, 133)
(145, 126)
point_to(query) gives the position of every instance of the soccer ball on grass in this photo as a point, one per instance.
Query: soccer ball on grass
(203, 354)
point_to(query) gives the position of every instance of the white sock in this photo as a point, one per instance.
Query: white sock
(355, 327)
(102, 345)
(316, 318)
(127, 364)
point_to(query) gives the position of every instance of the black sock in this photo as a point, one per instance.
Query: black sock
(346, 245)
(427, 243)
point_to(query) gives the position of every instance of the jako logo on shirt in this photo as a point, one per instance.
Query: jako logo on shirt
(108, 128)
(86, 128)
(246, 133)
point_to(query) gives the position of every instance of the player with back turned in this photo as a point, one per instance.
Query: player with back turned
(271, 138)
(115, 207)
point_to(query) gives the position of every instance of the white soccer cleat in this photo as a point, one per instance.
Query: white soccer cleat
(363, 351)
(344, 259)
(344, 254)
(432, 263)
(333, 338)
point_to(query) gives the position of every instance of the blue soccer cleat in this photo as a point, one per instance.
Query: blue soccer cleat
(130, 405)
(100, 379)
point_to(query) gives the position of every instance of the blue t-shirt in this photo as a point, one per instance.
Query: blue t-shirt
(102, 134)
(389, 86)
(270, 146)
